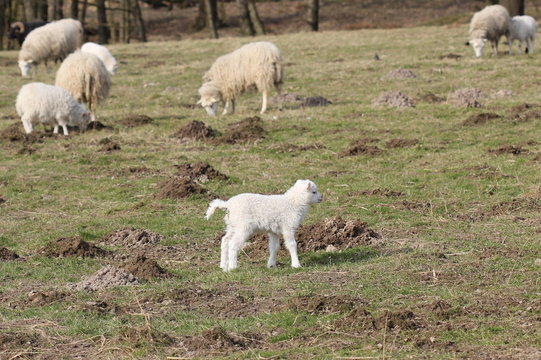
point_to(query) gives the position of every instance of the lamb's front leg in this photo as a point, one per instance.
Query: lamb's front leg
(291, 245)
(225, 249)
(264, 106)
(274, 245)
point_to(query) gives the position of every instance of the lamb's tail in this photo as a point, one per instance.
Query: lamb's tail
(217, 203)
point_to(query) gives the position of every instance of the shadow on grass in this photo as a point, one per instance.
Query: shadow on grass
(345, 256)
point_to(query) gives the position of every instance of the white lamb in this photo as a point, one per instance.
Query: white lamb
(524, 29)
(256, 64)
(53, 41)
(48, 104)
(275, 214)
(488, 24)
(103, 54)
(86, 78)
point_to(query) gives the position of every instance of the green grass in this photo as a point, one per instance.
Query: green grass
(457, 249)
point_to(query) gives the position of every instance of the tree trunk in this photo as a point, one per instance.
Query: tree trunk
(313, 14)
(74, 9)
(2, 17)
(254, 17)
(82, 15)
(246, 26)
(515, 7)
(139, 23)
(212, 15)
(54, 10)
(103, 30)
(201, 18)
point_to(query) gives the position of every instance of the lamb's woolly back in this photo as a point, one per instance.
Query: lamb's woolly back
(256, 64)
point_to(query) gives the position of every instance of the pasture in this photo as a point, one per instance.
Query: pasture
(446, 204)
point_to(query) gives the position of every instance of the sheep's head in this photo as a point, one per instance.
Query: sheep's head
(306, 191)
(25, 66)
(15, 30)
(478, 46)
(210, 97)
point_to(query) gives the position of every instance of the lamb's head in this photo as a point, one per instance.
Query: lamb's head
(478, 45)
(80, 117)
(210, 97)
(306, 192)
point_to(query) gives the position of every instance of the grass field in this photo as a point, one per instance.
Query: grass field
(454, 274)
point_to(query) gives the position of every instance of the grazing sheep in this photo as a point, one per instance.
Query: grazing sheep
(53, 41)
(488, 24)
(523, 29)
(256, 64)
(275, 214)
(103, 54)
(20, 29)
(84, 76)
(48, 104)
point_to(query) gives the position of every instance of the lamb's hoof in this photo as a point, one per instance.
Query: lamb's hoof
(296, 266)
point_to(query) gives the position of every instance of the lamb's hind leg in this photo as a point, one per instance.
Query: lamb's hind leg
(225, 248)
(264, 105)
(235, 244)
(274, 245)
(291, 245)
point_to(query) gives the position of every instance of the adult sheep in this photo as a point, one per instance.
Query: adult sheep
(488, 24)
(85, 77)
(524, 29)
(53, 41)
(19, 30)
(103, 54)
(48, 104)
(256, 64)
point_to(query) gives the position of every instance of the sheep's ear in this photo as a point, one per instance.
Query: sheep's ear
(467, 43)
(213, 99)
(309, 186)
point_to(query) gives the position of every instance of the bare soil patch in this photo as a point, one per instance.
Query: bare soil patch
(15, 133)
(195, 130)
(144, 268)
(106, 277)
(132, 238)
(509, 149)
(108, 145)
(103, 307)
(394, 99)
(293, 148)
(402, 319)
(359, 320)
(467, 97)
(246, 130)
(525, 112)
(484, 171)
(200, 172)
(287, 99)
(134, 120)
(217, 339)
(179, 187)
(72, 247)
(360, 148)
(43, 298)
(416, 206)
(321, 304)
(502, 94)
(6, 254)
(400, 74)
(401, 143)
(311, 101)
(452, 56)
(98, 126)
(430, 98)
(17, 341)
(377, 192)
(529, 204)
(480, 119)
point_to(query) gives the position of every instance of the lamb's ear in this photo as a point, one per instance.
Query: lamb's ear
(309, 186)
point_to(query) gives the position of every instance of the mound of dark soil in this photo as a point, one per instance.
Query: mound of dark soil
(38, 298)
(401, 143)
(72, 247)
(218, 339)
(525, 112)
(359, 319)
(430, 98)
(393, 99)
(377, 192)
(467, 97)
(321, 304)
(360, 148)
(144, 268)
(399, 74)
(6, 254)
(2, 200)
(416, 205)
(106, 277)
(179, 187)
(509, 149)
(196, 130)
(403, 320)
(342, 234)
(246, 130)
(131, 237)
(98, 126)
(102, 307)
(15, 133)
(480, 119)
(315, 101)
(515, 205)
(134, 120)
(108, 145)
(18, 341)
(200, 172)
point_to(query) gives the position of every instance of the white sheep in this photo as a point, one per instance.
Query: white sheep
(85, 77)
(490, 24)
(49, 104)
(275, 214)
(524, 29)
(53, 41)
(103, 54)
(256, 64)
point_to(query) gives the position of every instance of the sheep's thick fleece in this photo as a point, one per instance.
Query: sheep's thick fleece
(490, 24)
(103, 54)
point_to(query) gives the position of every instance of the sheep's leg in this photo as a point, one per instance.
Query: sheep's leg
(520, 47)
(65, 128)
(494, 47)
(264, 106)
(235, 243)
(232, 106)
(225, 248)
(274, 245)
(531, 48)
(291, 245)
(27, 124)
(55, 130)
(226, 107)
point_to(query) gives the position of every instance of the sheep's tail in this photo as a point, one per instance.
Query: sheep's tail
(217, 203)
(278, 74)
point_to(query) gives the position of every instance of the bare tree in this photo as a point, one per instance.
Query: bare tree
(54, 9)
(313, 14)
(515, 7)
(250, 22)
(254, 17)
(74, 9)
(211, 10)
(103, 28)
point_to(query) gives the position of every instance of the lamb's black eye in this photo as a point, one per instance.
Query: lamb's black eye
(314, 192)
